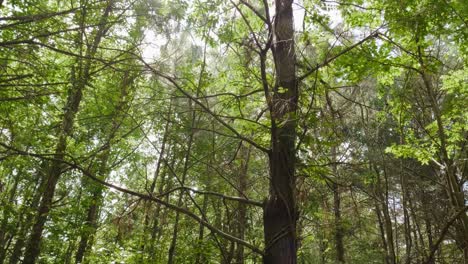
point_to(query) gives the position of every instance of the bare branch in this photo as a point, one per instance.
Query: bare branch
(232, 198)
(204, 107)
(142, 196)
(329, 60)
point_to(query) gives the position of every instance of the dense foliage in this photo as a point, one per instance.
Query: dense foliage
(208, 131)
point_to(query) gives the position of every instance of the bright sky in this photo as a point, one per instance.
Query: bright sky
(153, 42)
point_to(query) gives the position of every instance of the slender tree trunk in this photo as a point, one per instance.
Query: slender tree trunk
(160, 216)
(28, 217)
(151, 217)
(172, 247)
(5, 236)
(33, 248)
(157, 173)
(340, 252)
(428, 225)
(200, 257)
(90, 225)
(339, 232)
(387, 221)
(453, 186)
(280, 213)
(55, 170)
(382, 231)
(406, 217)
(242, 210)
(417, 234)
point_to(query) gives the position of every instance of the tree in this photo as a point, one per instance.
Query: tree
(236, 131)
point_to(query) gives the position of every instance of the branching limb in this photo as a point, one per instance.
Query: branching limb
(443, 233)
(329, 60)
(232, 198)
(142, 196)
(204, 107)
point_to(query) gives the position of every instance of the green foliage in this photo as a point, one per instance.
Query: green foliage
(378, 126)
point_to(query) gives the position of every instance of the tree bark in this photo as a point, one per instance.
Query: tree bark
(280, 213)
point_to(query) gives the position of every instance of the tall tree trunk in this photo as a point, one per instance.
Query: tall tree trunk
(90, 225)
(161, 214)
(52, 177)
(172, 247)
(280, 213)
(387, 221)
(241, 224)
(339, 234)
(382, 231)
(453, 186)
(406, 216)
(28, 217)
(55, 170)
(148, 214)
(200, 257)
(5, 235)
(428, 224)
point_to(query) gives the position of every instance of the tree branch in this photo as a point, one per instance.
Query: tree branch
(329, 60)
(142, 196)
(204, 107)
(443, 233)
(232, 198)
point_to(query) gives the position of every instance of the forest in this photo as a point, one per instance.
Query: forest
(234, 131)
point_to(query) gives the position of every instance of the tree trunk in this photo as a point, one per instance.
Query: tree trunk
(382, 231)
(52, 177)
(28, 217)
(172, 247)
(160, 214)
(200, 257)
(5, 236)
(280, 213)
(338, 225)
(55, 170)
(453, 187)
(90, 225)
(387, 221)
(406, 216)
(339, 232)
(242, 210)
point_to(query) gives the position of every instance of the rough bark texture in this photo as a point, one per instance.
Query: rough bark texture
(280, 215)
